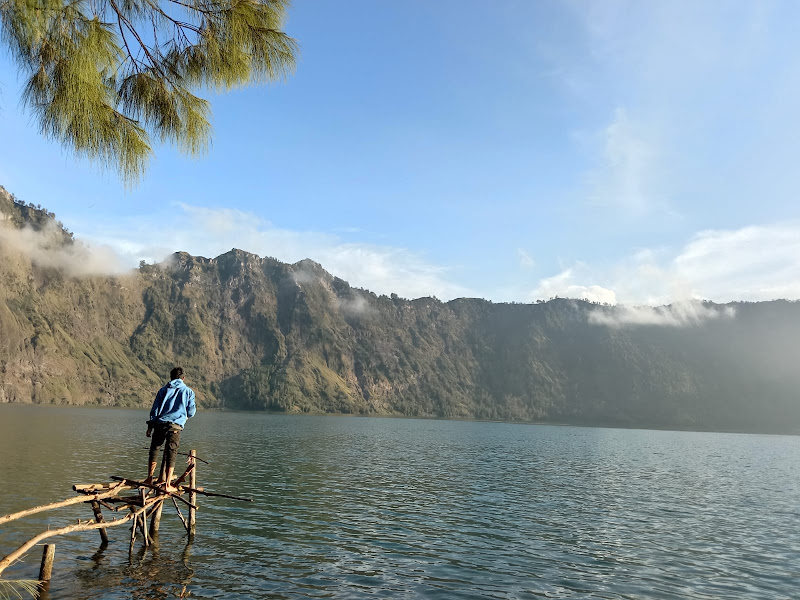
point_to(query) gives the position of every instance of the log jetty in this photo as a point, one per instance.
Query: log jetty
(137, 503)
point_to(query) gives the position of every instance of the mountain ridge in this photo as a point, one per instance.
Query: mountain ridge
(256, 333)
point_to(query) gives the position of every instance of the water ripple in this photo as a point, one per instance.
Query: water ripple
(394, 508)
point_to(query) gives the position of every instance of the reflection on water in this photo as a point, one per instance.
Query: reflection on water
(148, 574)
(351, 507)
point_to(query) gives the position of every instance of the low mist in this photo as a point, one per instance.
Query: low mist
(355, 306)
(46, 248)
(685, 313)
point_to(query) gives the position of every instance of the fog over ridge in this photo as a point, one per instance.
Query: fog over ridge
(46, 248)
(685, 313)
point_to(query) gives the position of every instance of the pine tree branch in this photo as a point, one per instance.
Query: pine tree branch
(132, 29)
(134, 62)
(179, 24)
(203, 11)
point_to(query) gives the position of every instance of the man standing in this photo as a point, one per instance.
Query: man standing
(174, 404)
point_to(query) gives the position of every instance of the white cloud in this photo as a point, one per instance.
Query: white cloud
(750, 264)
(46, 248)
(212, 231)
(525, 260)
(665, 53)
(681, 100)
(680, 314)
(302, 276)
(356, 306)
(626, 177)
(563, 286)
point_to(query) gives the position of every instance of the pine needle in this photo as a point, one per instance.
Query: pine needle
(104, 76)
(15, 588)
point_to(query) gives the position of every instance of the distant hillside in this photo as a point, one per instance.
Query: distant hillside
(256, 333)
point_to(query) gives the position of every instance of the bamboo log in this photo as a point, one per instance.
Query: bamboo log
(143, 518)
(152, 506)
(133, 530)
(76, 500)
(134, 483)
(125, 502)
(132, 500)
(92, 488)
(215, 494)
(192, 495)
(183, 477)
(46, 568)
(138, 520)
(107, 505)
(98, 517)
(87, 526)
(180, 514)
(184, 454)
(143, 530)
(193, 454)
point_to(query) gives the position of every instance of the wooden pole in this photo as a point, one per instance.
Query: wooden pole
(133, 530)
(143, 494)
(192, 490)
(160, 490)
(192, 494)
(76, 500)
(155, 519)
(184, 454)
(86, 526)
(96, 488)
(155, 509)
(183, 477)
(180, 514)
(98, 517)
(48, 555)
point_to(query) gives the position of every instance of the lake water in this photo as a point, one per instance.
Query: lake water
(400, 508)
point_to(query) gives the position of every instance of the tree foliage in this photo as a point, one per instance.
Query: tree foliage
(15, 588)
(105, 76)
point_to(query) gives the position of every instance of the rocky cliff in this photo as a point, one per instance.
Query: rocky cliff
(256, 333)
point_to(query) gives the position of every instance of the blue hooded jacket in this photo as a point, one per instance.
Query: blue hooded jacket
(174, 403)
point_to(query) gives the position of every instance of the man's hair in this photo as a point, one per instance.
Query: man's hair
(176, 373)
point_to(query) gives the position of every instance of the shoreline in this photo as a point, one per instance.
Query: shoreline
(641, 427)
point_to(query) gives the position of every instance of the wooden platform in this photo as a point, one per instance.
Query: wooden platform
(145, 503)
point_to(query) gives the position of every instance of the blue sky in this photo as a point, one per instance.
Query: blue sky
(620, 151)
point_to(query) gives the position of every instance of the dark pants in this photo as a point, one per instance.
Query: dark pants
(165, 432)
